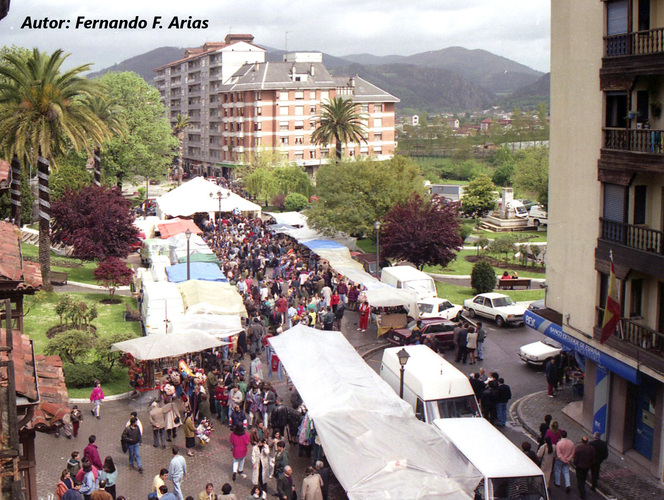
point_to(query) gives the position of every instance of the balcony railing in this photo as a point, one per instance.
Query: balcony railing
(634, 140)
(641, 336)
(639, 238)
(635, 44)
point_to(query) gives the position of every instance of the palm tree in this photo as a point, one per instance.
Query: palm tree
(181, 123)
(112, 115)
(43, 112)
(340, 122)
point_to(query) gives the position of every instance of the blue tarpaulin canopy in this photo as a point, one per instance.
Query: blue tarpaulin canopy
(206, 271)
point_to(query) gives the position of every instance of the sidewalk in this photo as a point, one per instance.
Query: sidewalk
(617, 479)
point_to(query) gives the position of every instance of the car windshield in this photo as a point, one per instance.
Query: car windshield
(465, 406)
(425, 308)
(412, 324)
(528, 487)
(502, 302)
(552, 343)
(445, 306)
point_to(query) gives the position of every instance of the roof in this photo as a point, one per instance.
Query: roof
(404, 273)
(491, 295)
(209, 47)
(364, 91)
(443, 380)
(487, 448)
(277, 75)
(25, 275)
(175, 226)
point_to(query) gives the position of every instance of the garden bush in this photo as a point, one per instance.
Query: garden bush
(465, 230)
(483, 277)
(84, 375)
(295, 202)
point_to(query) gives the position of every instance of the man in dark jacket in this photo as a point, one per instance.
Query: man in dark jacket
(242, 344)
(324, 473)
(461, 338)
(132, 436)
(488, 401)
(285, 486)
(477, 385)
(279, 417)
(584, 458)
(504, 394)
(601, 454)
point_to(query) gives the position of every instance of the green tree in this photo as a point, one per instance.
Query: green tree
(146, 149)
(27, 200)
(295, 202)
(70, 345)
(354, 194)
(44, 112)
(532, 174)
(71, 174)
(479, 197)
(483, 277)
(339, 122)
(264, 182)
(181, 124)
(112, 114)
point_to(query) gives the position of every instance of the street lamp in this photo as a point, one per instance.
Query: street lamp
(377, 227)
(187, 233)
(219, 195)
(403, 359)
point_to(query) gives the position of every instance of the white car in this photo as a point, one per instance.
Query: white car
(495, 306)
(538, 353)
(439, 308)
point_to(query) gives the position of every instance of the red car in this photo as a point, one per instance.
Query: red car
(442, 329)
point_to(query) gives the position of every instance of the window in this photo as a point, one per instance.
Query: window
(299, 94)
(312, 154)
(312, 94)
(617, 24)
(325, 153)
(257, 95)
(616, 109)
(284, 140)
(299, 110)
(258, 141)
(640, 204)
(283, 110)
(283, 96)
(419, 410)
(644, 15)
(299, 139)
(378, 150)
(259, 111)
(378, 122)
(312, 109)
(378, 136)
(257, 126)
(636, 298)
(299, 125)
(299, 155)
(364, 108)
(324, 95)
(283, 126)
(378, 108)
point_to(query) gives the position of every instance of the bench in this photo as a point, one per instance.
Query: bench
(510, 283)
(59, 278)
(131, 314)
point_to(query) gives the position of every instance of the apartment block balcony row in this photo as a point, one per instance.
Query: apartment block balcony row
(634, 44)
(633, 150)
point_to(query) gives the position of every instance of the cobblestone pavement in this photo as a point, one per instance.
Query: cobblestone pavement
(617, 478)
(212, 463)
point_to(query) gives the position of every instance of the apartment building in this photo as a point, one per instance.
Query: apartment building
(606, 197)
(190, 86)
(273, 107)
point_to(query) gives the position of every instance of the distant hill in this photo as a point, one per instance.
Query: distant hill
(541, 88)
(430, 89)
(144, 64)
(496, 73)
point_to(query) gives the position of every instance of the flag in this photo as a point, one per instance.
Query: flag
(611, 308)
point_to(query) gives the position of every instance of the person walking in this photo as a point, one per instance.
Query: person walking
(551, 371)
(260, 459)
(158, 422)
(109, 474)
(601, 454)
(76, 417)
(159, 480)
(564, 455)
(584, 458)
(91, 452)
(481, 337)
(503, 395)
(471, 344)
(461, 338)
(239, 445)
(189, 433)
(324, 473)
(312, 485)
(281, 460)
(546, 455)
(365, 311)
(96, 397)
(285, 486)
(132, 436)
(64, 484)
(177, 470)
(554, 433)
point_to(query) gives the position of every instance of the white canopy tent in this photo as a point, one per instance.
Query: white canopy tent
(167, 345)
(200, 195)
(211, 297)
(374, 443)
(222, 326)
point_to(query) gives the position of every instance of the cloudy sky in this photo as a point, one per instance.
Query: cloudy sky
(516, 29)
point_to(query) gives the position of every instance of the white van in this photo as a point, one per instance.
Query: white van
(409, 278)
(507, 471)
(161, 305)
(432, 386)
(538, 216)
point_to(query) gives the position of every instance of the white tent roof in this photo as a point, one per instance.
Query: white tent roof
(167, 345)
(195, 196)
(215, 297)
(221, 326)
(374, 443)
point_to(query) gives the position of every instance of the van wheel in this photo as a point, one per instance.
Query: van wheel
(471, 313)
(500, 321)
(536, 222)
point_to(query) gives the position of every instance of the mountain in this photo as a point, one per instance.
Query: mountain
(541, 88)
(144, 64)
(496, 73)
(430, 89)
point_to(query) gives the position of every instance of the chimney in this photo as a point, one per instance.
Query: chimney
(311, 69)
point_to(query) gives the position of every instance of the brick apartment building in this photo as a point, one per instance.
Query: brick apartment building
(239, 105)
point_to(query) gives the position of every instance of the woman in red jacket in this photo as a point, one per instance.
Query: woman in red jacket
(365, 311)
(239, 444)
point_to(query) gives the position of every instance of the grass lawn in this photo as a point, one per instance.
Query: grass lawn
(534, 236)
(461, 267)
(110, 320)
(80, 274)
(367, 245)
(457, 294)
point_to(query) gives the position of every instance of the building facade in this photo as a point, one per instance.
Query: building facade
(606, 197)
(239, 106)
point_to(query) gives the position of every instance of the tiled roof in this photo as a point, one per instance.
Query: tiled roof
(4, 174)
(12, 268)
(24, 366)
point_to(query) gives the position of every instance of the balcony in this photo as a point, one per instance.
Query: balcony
(637, 43)
(635, 247)
(629, 55)
(630, 151)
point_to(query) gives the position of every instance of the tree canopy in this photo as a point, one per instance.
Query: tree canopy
(479, 197)
(339, 122)
(352, 195)
(96, 221)
(532, 174)
(422, 231)
(147, 148)
(112, 273)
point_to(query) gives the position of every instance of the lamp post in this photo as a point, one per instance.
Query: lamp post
(403, 359)
(187, 233)
(377, 227)
(219, 195)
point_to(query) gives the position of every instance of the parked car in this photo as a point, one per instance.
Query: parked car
(442, 329)
(538, 353)
(495, 306)
(439, 308)
(538, 216)
(536, 304)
